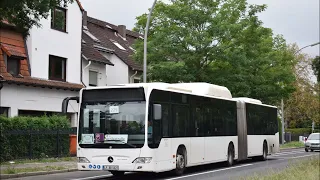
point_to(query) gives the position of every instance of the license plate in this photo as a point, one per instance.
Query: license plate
(110, 167)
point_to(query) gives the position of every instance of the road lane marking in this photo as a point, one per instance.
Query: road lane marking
(196, 174)
(299, 156)
(283, 154)
(289, 151)
(94, 177)
(101, 176)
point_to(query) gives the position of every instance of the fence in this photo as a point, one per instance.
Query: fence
(31, 144)
(288, 137)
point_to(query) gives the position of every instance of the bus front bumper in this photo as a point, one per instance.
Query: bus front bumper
(132, 167)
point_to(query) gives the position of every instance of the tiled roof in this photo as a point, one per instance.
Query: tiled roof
(12, 43)
(114, 27)
(108, 37)
(37, 82)
(92, 54)
(12, 50)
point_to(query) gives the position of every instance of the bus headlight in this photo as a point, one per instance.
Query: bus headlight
(142, 160)
(83, 160)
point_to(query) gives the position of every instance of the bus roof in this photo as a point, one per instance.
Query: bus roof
(248, 100)
(252, 101)
(196, 88)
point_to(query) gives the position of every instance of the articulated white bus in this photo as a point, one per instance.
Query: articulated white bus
(157, 127)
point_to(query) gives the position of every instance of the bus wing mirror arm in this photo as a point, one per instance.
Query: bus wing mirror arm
(65, 103)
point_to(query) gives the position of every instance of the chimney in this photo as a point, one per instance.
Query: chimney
(84, 19)
(122, 30)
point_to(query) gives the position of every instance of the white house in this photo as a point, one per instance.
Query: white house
(106, 51)
(40, 70)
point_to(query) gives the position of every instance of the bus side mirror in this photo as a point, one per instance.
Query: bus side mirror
(157, 112)
(65, 103)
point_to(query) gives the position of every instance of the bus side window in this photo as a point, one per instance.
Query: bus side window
(165, 120)
(209, 127)
(198, 121)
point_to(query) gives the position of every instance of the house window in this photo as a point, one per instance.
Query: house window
(118, 45)
(13, 65)
(57, 68)
(4, 111)
(93, 78)
(59, 19)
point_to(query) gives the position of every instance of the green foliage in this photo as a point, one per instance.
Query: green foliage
(220, 42)
(43, 143)
(316, 67)
(302, 107)
(292, 144)
(26, 13)
(299, 130)
(300, 169)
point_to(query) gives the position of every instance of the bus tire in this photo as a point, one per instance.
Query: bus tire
(230, 157)
(117, 173)
(264, 152)
(181, 157)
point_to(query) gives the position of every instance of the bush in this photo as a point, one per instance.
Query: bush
(33, 137)
(301, 130)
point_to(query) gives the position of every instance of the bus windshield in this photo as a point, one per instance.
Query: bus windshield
(112, 124)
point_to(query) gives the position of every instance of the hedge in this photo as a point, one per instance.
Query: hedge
(33, 137)
(301, 130)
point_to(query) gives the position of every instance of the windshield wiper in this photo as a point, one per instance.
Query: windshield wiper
(116, 140)
(101, 145)
(105, 145)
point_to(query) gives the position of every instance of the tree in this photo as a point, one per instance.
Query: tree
(220, 42)
(302, 107)
(27, 13)
(316, 67)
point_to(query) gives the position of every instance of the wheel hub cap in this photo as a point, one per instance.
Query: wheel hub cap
(180, 161)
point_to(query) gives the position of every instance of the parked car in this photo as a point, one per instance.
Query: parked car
(313, 142)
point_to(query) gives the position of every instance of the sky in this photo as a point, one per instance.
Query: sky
(297, 20)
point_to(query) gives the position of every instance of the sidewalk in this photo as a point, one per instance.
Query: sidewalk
(67, 164)
(34, 169)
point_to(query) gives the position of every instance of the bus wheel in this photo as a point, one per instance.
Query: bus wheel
(180, 162)
(230, 159)
(117, 173)
(264, 153)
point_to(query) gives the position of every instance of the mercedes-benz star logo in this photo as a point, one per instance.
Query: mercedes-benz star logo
(110, 159)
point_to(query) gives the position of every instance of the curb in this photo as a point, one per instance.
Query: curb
(9, 176)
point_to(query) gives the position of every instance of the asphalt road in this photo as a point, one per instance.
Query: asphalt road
(218, 170)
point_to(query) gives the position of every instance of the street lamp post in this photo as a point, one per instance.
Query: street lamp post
(311, 45)
(145, 44)
(282, 122)
(282, 108)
